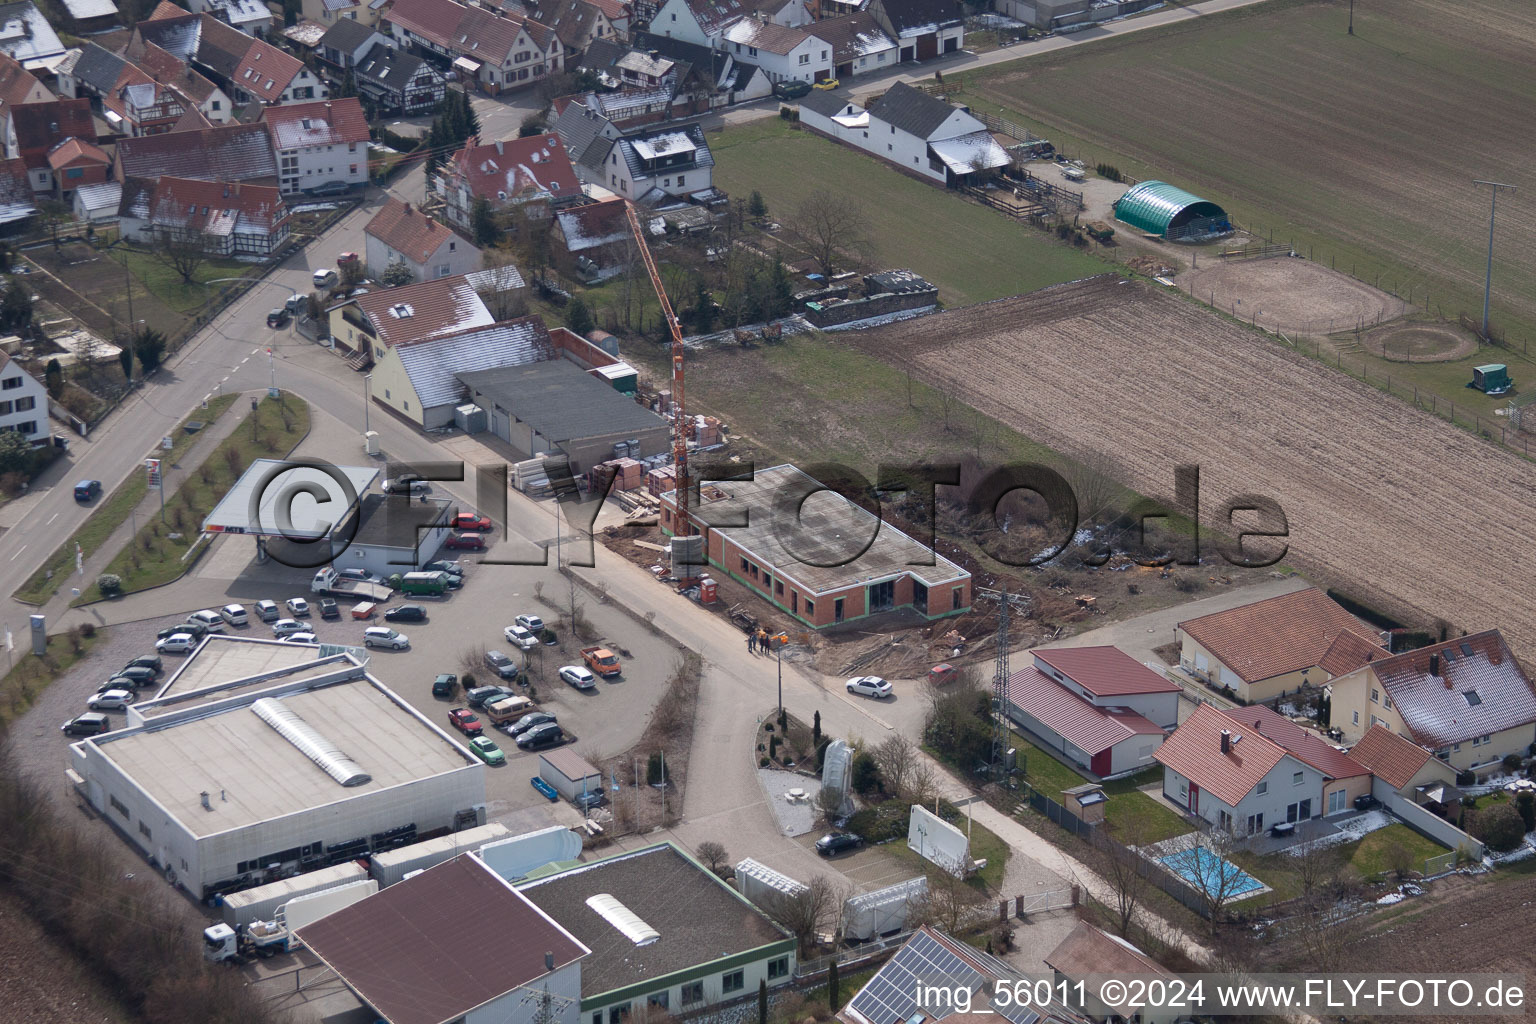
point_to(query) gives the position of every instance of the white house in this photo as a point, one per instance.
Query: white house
(401, 233)
(23, 400)
(784, 54)
(499, 50)
(322, 143)
(859, 45)
(700, 22)
(249, 16)
(928, 137)
(652, 166)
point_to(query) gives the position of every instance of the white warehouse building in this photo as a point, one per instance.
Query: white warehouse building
(253, 763)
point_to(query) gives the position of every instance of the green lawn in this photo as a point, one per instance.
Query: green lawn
(1132, 815)
(971, 252)
(167, 285)
(112, 511)
(29, 675)
(153, 557)
(1374, 855)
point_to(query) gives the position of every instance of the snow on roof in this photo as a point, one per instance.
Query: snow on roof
(436, 308)
(586, 227)
(765, 35)
(83, 9)
(668, 144)
(319, 123)
(26, 35)
(518, 169)
(105, 196)
(306, 33)
(16, 197)
(406, 229)
(977, 151)
(241, 12)
(431, 365)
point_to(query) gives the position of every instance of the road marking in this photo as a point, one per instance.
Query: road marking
(18, 552)
(52, 518)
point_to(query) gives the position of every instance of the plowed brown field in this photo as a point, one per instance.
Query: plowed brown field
(1391, 504)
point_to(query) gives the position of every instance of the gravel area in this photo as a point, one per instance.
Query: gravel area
(795, 817)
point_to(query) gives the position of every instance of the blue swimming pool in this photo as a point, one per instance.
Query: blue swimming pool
(1209, 873)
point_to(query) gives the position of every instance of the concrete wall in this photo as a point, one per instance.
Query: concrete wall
(1426, 823)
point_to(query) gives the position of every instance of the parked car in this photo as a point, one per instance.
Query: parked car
(208, 618)
(502, 665)
(406, 483)
(267, 611)
(479, 696)
(326, 277)
(406, 613)
(234, 615)
(87, 490)
(329, 609)
(837, 842)
(176, 643)
(346, 259)
(110, 700)
(196, 630)
(147, 661)
(360, 574)
(383, 636)
(532, 623)
(470, 521)
(826, 85)
(588, 800)
(278, 317)
(530, 721)
(465, 542)
(445, 685)
(90, 724)
(869, 686)
(331, 188)
(578, 676)
(540, 736)
(287, 627)
(300, 638)
(465, 721)
(120, 683)
(521, 637)
(942, 675)
(791, 90)
(139, 675)
(298, 606)
(487, 751)
(444, 565)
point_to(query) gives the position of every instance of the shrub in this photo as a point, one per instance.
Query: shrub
(110, 584)
(1511, 763)
(866, 774)
(763, 762)
(1467, 778)
(1500, 827)
(467, 680)
(1525, 804)
(654, 768)
(87, 629)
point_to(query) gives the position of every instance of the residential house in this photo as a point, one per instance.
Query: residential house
(836, 117)
(1403, 768)
(399, 82)
(701, 22)
(1345, 779)
(400, 233)
(249, 70)
(593, 241)
(789, 13)
(345, 42)
(90, 71)
(226, 218)
(27, 38)
(1087, 952)
(1239, 779)
(319, 144)
(89, 16)
(531, 174)
(922, 28)
(17, 87)
(231, 152)
(1468, 700)
(418, 380)
(170, 70)
(36, 129)
(23, 402)
(577, 22)
(139, 105)
(495, 49)
(784, 54)
(17, 200)
(1268, 648)
(619, 15)
(370, 324)
(304, 37)
(328, 12)
(249, 16)
(859, 45)
(1098, 707)
(651, 166)
(75, 163)
(930, 138)
(705, 77)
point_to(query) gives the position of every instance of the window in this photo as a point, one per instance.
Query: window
(74, 172)
(597, 1018)
(752, 51)
(386, 393)
(618, 1013)
(1296, 778)
(889, 148)
(805, 58)
(1375, 696)
(880, 58)
(27, 427)
(1336, 801)
(693, 992)
(1263, 788)
(1473, 700)
(810, 608)
(666, 182)
(6, 408)
(1183, 788)
(453, 246)
(145, 832)
(1355, 718)
(118, 806)
(745, 566)
(733, 982)
(778, 968)
(680, 181)
(658, 999)
(955, 598)
(1386, 702)
(1224, 821)
(10, 383)
(893, 129)
(778, 587)
(753, 572)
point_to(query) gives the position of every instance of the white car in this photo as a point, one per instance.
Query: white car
(300, 638)
(234, 614)
(288, 627)
(521, 637)
(869, 686)
(209, 619)
(298, 606)
(110, 700)
(532, 623)
(383, 636)
(578, 677)
(176, 643)
(325, 277)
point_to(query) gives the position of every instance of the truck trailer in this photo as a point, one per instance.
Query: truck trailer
(328, 581)
(222, 944)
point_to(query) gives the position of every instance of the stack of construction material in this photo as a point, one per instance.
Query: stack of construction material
(706, 431)
(529, 477)
(661, 480)
(630, 474)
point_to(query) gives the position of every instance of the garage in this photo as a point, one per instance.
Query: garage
(569, 773)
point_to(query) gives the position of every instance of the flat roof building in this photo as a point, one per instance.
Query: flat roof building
(814, 553)
(227, 787)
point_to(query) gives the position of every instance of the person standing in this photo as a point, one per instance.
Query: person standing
(751, 643)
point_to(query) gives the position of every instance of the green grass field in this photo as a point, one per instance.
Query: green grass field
(166, 284)
(971, 252)
(29, 675)
(1362, 148)
(1133, 816)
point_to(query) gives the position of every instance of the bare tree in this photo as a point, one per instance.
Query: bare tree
(951, 903)
(503, 291)
(713, 855)
(947, 403)
(829, 801)
(183, 250)
(1093, 484)
(895, 758)
(1126, 872)
(1212, 875)
(829, 224)
(806, 913)
(922, 780)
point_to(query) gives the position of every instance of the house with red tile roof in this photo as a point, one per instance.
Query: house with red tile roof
(1468, 700)
(76, 163)
(1108, 677)
(17, 86)
(37, 128)
(1268, 648)
(532, 174)
(1344, 779)
(1090, 951)
(226, 218)
(230, 152)
(370, 324)
(496, 49)
(597, 233)
(1404, 766)
(402, 233)
(319, 144)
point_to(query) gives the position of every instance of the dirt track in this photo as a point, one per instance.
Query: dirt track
(1291, 295)
(1394, 505)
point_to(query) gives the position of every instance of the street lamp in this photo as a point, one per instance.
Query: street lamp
(1488, 276)
(367, 399)
(778, 652)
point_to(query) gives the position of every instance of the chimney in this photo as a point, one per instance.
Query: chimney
(549, 960)
(1226, 741)
(407, 209)
(207, 806)
(1434, 664)
(499, 149)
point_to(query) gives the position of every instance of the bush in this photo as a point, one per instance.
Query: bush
(110, 584)
(763, 762)
(1525, 804)
(87, 629)
(1512, 763)
(866, 774)
(654, 767)
(1467, 778)
(1499, 827)
(399, 142)
(467, 680)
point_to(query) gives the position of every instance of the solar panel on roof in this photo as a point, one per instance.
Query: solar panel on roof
(924, 963)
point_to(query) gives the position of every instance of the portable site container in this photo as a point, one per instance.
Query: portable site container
(393, 865)
(261, 903)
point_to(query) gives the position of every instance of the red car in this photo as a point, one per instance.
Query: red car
(470, 521)
(346, 258)
(465, 542)
(465, 721)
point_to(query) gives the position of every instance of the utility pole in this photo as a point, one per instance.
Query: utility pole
(1005, 601)
(367, 397)
(1351, 17)
(1488, 276)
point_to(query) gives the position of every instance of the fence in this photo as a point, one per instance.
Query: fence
(807, 969)
(1440, 864)
(1003, 126)
(1252, 252)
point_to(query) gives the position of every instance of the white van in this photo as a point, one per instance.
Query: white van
(212, 620)
(234, 614)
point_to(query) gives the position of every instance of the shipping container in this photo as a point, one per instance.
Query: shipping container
(261, 903)
(391, 866)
